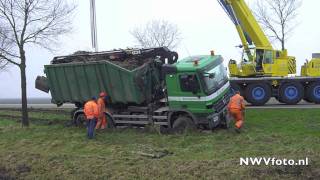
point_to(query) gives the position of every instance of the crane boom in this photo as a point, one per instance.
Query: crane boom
(247, 26)
(263, 59)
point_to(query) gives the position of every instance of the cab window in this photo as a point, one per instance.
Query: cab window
(189, 83)
(268, 59)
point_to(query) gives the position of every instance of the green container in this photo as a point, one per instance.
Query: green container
(78, 82)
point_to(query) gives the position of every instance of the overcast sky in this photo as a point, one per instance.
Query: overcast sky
(203, 24)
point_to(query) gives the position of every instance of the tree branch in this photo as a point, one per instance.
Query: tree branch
(157, 33)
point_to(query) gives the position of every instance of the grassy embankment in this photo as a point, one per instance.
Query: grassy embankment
(49, 150)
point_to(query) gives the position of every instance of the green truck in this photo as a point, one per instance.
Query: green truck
(144, 87)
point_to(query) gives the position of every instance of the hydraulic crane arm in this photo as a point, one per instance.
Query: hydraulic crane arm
(248, 28)
(245, 39)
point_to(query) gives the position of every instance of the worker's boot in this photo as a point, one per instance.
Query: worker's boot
(237, 130)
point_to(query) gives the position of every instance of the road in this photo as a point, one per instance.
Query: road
(38, 106)
(274, 104)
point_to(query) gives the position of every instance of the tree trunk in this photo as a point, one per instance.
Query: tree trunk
(25, 118)
(282, 44)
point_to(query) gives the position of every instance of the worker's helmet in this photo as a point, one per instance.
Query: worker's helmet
(93, 98)
(237, 91)
(103, 94)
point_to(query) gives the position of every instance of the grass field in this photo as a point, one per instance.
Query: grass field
(50, 150)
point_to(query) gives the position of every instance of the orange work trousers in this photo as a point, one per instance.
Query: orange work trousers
(238, 116)
(102, 122)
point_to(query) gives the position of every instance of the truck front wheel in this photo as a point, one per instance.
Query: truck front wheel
(183, 125)
(226, 121)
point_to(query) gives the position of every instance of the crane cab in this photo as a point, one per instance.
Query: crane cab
(264, 62)
(312, 67)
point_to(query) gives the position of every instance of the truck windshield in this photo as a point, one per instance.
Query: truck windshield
(214, 78)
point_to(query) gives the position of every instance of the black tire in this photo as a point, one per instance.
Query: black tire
(183, 125)
(258, 94)
(291, 93)
(226, 122)
(306, 99)
(110, 122)
(80, 120)
(164, 130)
(313, 92)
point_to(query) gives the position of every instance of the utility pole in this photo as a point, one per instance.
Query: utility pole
(94, 40)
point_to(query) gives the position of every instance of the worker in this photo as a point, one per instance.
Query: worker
(236, 109)
(92, 113)
(102, 121)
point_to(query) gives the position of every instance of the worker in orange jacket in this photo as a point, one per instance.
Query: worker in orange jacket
(102, 121)
(91, 112)
(236, 109)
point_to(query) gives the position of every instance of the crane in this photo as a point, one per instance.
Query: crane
(259, 58)
(265, 72)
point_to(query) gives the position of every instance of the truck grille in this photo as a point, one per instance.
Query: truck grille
(222, 103)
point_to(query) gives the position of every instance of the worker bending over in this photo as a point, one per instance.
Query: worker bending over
(91, 112)
(236, 109)
(102, 121)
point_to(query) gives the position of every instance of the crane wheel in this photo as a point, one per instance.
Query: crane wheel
(307, 100)
(313, 93)
(291, 93)
(258, 94)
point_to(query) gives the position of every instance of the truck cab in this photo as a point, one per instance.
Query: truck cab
(199, 87)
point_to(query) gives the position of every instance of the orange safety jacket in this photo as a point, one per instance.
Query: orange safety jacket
(91, 110)
(236, 103)
(101, 106)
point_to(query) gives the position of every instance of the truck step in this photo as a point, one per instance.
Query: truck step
(131, 116)
(132, 122)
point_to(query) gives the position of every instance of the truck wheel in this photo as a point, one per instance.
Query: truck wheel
(164, 130)
(110, 122)
(183, 125)
(226, 122)
(80, 121)
(258, 94)
(313, 93)
(291, 93)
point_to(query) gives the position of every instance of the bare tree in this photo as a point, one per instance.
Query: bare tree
(3, 64)
(158, 33)
(30, 22)
(277, 17)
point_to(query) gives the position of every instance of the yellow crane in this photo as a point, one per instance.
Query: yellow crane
(263, 71)
(260, 58)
